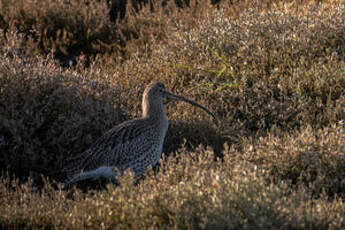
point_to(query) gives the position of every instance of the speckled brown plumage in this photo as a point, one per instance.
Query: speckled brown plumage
(135, 144)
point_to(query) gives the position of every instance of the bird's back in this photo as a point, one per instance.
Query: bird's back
(134, 144)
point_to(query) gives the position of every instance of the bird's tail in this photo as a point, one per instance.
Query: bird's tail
(73, 167)
(103, 171)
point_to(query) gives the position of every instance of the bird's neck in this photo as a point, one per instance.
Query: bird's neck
(154, 110)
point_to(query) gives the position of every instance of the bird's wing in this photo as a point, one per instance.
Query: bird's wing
(107, 150)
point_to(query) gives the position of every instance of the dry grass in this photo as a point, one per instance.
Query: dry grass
(273, 73)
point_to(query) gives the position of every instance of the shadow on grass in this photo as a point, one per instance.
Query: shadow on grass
(45, 120)
(193, 135)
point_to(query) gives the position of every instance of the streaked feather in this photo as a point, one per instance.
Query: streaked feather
(134, 144)
(117, 148)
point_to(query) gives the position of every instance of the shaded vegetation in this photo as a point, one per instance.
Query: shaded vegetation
(273, 72)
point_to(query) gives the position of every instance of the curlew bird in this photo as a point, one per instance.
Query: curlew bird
(135, 144)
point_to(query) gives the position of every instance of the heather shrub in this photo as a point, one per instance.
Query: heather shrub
(309, 158)
(47, 112)
(91, 28)
(272, 72)
(191, 191)
(280, 68)
(67, 28)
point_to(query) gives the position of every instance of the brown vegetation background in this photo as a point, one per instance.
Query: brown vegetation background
(273, 72)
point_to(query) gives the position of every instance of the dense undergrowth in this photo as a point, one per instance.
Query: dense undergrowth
(273, 73)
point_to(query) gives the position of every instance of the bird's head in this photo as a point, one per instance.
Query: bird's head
(155, 94)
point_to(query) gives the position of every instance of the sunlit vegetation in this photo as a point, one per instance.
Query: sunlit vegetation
(273, 72)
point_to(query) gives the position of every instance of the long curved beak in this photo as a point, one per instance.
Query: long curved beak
(179, 98)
